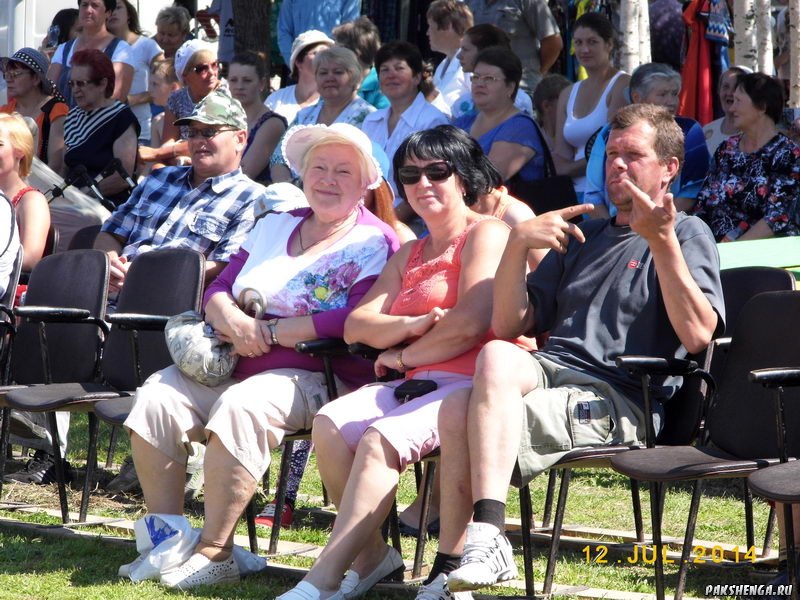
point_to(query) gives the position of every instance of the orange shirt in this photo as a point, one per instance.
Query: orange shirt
(59, 110)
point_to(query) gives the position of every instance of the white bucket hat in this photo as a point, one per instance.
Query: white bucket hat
(301, 138)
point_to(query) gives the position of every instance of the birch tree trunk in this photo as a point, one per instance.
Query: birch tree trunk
(645, 54)
(764, 36)
(629, 27)
(794, 45)
(745, 39)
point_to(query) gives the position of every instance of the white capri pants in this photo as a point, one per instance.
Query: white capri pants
(249, 417)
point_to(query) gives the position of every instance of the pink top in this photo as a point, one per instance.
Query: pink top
(427, 285)
(15, 200)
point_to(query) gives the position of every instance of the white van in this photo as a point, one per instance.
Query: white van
(25, 23)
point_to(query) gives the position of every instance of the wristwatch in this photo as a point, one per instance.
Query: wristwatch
(272, 325)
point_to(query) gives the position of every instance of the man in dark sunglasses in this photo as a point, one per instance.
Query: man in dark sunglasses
(644, 282)
(207, 206)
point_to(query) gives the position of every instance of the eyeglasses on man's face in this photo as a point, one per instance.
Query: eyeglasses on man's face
(206, 132)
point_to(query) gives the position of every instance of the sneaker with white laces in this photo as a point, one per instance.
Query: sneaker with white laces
(200, 570)
(487, 559)
(195, 476)
(438, 590)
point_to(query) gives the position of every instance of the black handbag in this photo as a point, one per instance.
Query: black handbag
(551, 192)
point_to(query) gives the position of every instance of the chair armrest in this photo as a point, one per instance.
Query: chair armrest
(775, 377)
(324, 346)
(723, 343)
(51, 314)
(138, 321)
(364, 351)
(656, 366)
(9, 312)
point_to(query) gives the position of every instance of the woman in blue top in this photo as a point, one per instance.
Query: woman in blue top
(509, 137)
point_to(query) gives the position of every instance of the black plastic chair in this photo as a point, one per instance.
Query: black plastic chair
(60, 336)
(740, 434)
(177, 277)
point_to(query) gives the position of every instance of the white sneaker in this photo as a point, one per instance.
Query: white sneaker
(199, 570)
(487, 559)
(438, 590)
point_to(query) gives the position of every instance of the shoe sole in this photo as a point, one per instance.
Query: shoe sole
(454, 584)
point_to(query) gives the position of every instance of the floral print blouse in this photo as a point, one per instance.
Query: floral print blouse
(743, 188)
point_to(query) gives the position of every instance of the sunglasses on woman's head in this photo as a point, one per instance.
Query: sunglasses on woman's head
(200, 69)
(438, 171)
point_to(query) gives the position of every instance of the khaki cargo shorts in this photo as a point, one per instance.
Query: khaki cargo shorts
(569, 410)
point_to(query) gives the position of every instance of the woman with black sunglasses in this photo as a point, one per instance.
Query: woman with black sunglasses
(430, 309)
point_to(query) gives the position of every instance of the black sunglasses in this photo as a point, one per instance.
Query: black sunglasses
(200, 69)
(438, 171)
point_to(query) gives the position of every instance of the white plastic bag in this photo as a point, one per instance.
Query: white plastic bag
(165, 542)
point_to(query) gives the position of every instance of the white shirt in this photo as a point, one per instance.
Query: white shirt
(143, 51)
(284, 102)
(420, 115)
(451, 81)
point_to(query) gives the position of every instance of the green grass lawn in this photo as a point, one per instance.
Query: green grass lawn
(34, 565)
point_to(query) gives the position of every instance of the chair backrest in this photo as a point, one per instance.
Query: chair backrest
(51, 243)
(84, 237)
(684, 412)
(74, 279)
(7, 319)
(7, 299)
(162, 282)
(741, 419)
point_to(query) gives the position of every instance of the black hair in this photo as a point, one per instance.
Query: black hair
(400, 51)
(598, 23)
(505, 60)
(253, 59)
(456, 147)
(485, 35)
(65, 19)
(766, 93)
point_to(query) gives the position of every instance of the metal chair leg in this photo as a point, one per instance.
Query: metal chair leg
(791, 556)
(91, 463)
(656, 508)
(526, 514)
(422, 532)
(280, 495)
(552, 478)
(636, 502)
(5, 431)
(748, 514)
(683, 569)
(770, 532)
(59, 466)
(563, 491)
(250, 517)
(112, 446)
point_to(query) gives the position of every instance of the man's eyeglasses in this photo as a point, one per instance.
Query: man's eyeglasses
(12, 74)
(486, 79)
(81, 83)
(438, 171)
(206, 133)
(200, 69)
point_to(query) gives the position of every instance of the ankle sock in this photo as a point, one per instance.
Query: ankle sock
(490, 511)
(443, 563)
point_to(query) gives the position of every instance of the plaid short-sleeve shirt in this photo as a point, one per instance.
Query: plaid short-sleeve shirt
(166, 211)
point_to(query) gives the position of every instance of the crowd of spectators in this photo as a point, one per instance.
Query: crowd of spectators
(368, 198)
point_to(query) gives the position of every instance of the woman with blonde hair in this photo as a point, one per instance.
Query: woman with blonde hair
(33, 214)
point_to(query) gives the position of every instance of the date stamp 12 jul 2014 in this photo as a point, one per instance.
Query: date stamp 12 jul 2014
(644, 554)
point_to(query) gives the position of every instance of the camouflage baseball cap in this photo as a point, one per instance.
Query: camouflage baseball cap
(218, 108)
